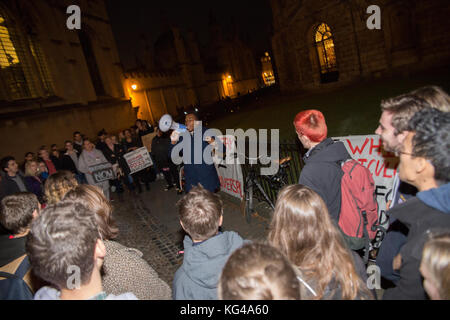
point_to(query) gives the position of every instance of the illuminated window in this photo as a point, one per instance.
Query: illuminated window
(325, 49)
(23, 70)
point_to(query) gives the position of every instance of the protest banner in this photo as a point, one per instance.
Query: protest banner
(102, 172)
(138, 160)
(147, 140)
(229, 170)
(368, 150)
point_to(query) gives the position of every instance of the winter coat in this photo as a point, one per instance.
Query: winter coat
(35, 186)
(203, 173)
(429, 211)
(88, 159)
(126, 271)
(198, 276)
(322, 173)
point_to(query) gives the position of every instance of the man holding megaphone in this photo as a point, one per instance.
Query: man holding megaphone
(195, 172)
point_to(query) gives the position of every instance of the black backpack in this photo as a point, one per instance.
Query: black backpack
(13, 287)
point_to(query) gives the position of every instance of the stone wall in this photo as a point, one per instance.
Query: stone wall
(413, 37)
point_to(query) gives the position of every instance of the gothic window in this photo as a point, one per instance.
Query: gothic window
(325, 49)
(23, 71)
(91, 62)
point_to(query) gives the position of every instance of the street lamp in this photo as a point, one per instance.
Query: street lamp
(134, 87)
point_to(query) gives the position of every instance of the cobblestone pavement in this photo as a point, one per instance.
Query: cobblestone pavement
(149, 223)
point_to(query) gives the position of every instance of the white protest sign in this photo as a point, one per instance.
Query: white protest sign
(138, 159)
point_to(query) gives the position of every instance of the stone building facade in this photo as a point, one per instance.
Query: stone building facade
(326, 43)
(179, 73)
(54, 81)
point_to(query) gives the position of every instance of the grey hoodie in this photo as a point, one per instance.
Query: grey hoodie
(48, 293)
(198, 276)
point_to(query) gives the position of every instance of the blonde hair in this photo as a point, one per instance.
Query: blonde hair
(28, 172)
(302, 229)
(436, 258)
(94, 199)
(58, 184)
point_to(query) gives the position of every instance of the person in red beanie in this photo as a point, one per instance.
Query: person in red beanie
(322, 171)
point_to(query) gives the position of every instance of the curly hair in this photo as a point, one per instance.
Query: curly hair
(17, 210)
(58, 184)
(432, 140)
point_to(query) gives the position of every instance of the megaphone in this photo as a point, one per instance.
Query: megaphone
(166, 123)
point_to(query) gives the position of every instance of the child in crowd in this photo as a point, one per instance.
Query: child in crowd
(206, 250)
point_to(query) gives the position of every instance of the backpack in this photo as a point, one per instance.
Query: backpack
(13, 287)
(358, 215)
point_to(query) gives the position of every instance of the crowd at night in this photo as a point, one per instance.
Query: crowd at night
(113, 108)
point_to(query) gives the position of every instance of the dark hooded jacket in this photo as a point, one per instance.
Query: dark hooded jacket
(427, 213)
(322, 173)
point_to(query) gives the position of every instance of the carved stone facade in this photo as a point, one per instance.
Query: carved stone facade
(413, 36)
(55, 81)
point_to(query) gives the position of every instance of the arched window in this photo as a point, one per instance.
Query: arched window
(323, 40)
(23, 71)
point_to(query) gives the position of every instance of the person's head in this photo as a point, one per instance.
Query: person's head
(189, 121)
(62, 239)
(58, 184)
(435, 267)
(127, 134)
(42, 167)
(43, 153)
(18, 211)
(395, 115)
(9, 166)
(68, 145)
(54, 150)
(435, 96)
(139, 124)
(88, 145)
(77, 137)
(200, 213)
(31, 168)
(29, 156)
(114, 139)
(102, 134)
(425, 156)
(93, 198)
(108, 140)
(258, 271)
(310, 127)
(301, 228)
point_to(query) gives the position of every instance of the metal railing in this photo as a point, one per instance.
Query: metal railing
(288, 148)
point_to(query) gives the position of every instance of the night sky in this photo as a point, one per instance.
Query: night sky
(134, 20)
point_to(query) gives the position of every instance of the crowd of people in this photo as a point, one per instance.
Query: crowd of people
(68, 251)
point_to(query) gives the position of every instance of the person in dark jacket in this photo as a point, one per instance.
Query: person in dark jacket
(203, 172)
(16, 214)
(131, 143)
(12, 181)
(160, 153)
(424, 163)
(322, 171)
(32, 180)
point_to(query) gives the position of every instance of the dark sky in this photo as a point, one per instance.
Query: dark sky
(132, 18)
